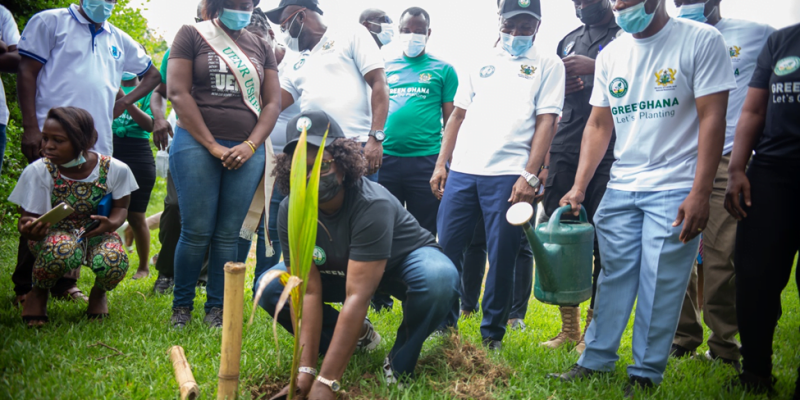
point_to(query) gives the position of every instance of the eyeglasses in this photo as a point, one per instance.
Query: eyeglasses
(294, 14)
(324, 168)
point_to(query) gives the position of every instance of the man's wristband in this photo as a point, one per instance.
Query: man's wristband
(307, 370)
(544, 167)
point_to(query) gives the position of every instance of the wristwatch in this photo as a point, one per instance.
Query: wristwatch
(307, 370)
(333, 384)
(378, 135)
(532, 179)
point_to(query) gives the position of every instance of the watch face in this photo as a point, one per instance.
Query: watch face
(379, 135)
(335, 386)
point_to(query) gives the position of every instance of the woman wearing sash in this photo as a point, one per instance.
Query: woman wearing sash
(223, 84)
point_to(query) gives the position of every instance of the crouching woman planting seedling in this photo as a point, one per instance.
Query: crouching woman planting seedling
(366, 242)
(69, 174)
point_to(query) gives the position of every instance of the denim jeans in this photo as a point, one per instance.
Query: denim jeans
(427, 284)
(2, 145)
(643, 262)
(213, 203)
(263, 263)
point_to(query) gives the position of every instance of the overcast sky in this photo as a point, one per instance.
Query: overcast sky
(460, 27)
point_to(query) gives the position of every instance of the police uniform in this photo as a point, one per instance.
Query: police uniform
(565, 150)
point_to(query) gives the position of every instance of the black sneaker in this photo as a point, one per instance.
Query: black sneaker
(637, 384)
(492, 344)
(214, 318)
(755, 384)
(678, 351)
(733, 363)
(180, 317)
(164, 285)
(576, 372)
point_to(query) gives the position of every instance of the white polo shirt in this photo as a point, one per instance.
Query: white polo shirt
(330, 77)
(503, 95)
(744, 39)
(650, 86)
(82, 67)
(9, 34)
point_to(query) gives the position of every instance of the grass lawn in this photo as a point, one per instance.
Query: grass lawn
(59, 361)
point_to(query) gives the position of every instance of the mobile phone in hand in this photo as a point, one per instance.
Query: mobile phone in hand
(92, 226)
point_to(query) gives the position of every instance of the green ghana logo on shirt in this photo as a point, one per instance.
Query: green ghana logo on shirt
(319, 256)
(299, 64)
(787, 65)
(524, 3)
(487, 71)
(618, 87)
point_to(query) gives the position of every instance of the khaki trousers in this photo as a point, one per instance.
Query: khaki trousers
(719, 287)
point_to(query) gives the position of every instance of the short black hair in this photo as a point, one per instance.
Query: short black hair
(78, 124)
(415, 11)
(258, 23)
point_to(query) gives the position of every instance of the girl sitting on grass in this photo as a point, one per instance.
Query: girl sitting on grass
(69, 173)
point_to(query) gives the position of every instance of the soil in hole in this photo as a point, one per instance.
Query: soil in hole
(471, 374)
(273, 385)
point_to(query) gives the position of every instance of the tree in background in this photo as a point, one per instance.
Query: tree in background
(129, 19)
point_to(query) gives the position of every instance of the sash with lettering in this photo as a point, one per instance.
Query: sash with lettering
(250, 87)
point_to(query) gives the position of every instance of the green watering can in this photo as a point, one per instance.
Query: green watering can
(563, 253)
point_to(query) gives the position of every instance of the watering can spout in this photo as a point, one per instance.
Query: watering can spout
(520, 214)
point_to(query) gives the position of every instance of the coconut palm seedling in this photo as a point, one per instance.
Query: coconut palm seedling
(303, 203)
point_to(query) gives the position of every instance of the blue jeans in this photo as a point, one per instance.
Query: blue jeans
(263, 263)
(643, 262)
(2, 145)
(467, 198)
(213, 203)
(427, 284)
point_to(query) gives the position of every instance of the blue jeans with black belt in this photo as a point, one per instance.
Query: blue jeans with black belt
(213, 204)
(427, 284)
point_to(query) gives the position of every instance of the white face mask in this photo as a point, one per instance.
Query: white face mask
(413, 44)
(292, 43)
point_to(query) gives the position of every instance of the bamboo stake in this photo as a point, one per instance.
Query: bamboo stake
(232, 320)
(183, 373)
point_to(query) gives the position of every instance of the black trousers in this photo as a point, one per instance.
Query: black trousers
(475, 268)
(563, 167)
(767, 241)
(168, 234)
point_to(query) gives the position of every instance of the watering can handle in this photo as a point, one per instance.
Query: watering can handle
(555, 220)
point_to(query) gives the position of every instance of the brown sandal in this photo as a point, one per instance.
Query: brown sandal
(72, 294)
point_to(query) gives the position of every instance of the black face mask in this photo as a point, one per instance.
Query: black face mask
(329, 187)
(594, 13)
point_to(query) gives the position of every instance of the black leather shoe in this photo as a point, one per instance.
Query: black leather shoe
(576, 372)
(163, 285)
(753, 383)
(678, 351)
(180, 317)
(733, 363)
(637, 384)
(492, 345)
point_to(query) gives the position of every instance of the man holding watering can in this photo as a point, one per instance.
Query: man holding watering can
(664, 89)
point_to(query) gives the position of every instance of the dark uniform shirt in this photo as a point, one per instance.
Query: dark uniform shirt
(584, 41)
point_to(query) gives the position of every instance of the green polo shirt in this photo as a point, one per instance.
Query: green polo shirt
(125, 126)
(417, 89)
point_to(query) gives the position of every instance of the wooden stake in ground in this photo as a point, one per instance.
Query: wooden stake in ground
(183, 374)
(232, 321)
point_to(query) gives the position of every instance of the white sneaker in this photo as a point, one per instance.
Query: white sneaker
(388, 372)
(370, 340)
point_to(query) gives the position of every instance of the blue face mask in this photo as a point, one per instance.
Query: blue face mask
(386, 34)
(97, 10)
(694, 12)
(74, 163)
(516, 45)
(413, 43)
(127, 76)
(634, 19)
(235, 20)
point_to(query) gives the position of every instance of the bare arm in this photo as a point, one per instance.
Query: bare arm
(373, 150)
(596, 137)
(693, 212)
(9, 60)
(162, 130)
(362, 281)
(286, 100)
(179, 86)
(311, 328)
(748, 131)
(26, 91)
(447, 110)
(140, 117)
(150, 80)
(439, 178)
(540, 146)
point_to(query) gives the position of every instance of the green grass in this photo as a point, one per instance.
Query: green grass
(55, 362)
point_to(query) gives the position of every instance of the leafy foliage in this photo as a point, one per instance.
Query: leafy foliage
(126, 18)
